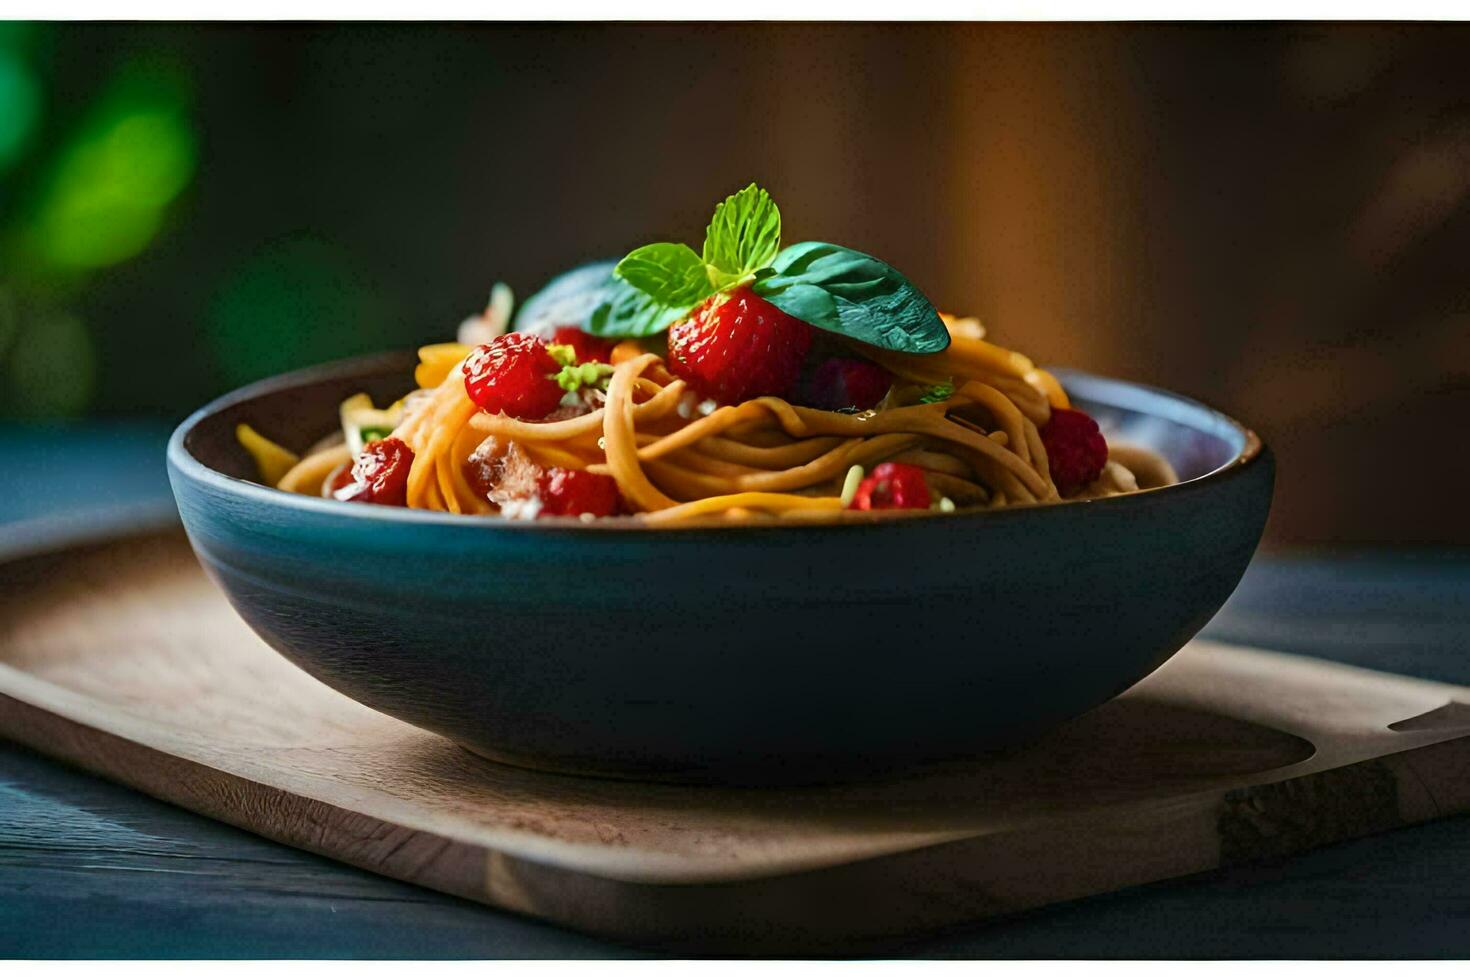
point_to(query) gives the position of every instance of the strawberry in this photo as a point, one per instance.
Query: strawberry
(892, 486)
(587, 347)
(846, 383)
(736, 346)
(513, 374)
(1075, 449)
(572, 493)
(379, 475)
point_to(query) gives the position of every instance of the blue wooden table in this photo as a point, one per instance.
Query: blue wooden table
(89, 869)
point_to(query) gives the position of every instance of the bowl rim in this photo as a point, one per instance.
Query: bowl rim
(184, 463)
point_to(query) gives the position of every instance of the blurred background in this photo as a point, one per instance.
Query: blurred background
(1274, 219)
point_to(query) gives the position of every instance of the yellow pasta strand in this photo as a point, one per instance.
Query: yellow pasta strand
(621, 446)
(272, 461)
(775, 502)
(436, 361)
(307, 476)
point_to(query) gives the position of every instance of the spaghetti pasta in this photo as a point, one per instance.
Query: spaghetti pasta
(673, 459)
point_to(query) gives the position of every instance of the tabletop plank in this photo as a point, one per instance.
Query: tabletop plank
(90, 869)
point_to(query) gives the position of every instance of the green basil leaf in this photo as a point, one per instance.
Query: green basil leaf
(567, 300)
(744, 235)
(672, 274)
(855, 295)
(626, 311)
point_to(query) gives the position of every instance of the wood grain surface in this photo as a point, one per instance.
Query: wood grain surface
(125, 660)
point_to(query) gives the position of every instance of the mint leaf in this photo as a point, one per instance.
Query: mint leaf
(672, 274)
(743, 236)
(846, 292)
(626, 311)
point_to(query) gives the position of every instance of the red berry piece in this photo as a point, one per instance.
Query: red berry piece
(341, 477)
(847, 383)
(736, 347)
(571, 493)
(379, 474)
(588, 348)
(513, 374)
(1075, 449)
(892, 486)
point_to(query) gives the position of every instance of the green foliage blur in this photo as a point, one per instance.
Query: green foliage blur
(119, 294)
(87, 187)
(186, 208)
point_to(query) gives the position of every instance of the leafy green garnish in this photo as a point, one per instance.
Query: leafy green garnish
(372, 433)
(657, 284)
(627, 311)
(567, 300)
(853, 294)
(672, 274)
(743, 237)
(830, 287)
(593, 374)
(572, 375)
(935, 393)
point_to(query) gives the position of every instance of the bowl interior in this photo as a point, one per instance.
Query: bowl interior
(1195, 439)
(294, 410)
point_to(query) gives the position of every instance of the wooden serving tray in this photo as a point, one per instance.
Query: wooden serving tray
(124, 659)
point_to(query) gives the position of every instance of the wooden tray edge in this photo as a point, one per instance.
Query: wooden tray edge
(860, 905)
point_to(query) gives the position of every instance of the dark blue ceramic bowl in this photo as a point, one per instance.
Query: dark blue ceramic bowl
(743, 654)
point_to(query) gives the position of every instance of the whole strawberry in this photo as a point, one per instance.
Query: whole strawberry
(513, 374)
(1075, 449)
(736, 346)
(892, 486)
